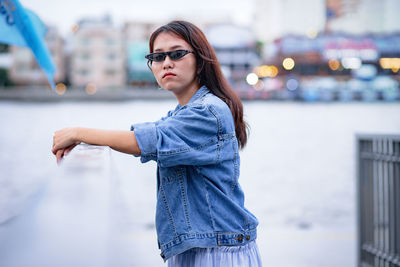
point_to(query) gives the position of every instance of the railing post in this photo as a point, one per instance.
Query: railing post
(378, 209)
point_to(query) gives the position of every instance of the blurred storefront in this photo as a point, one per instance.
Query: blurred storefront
(329, 67)
(335, 54)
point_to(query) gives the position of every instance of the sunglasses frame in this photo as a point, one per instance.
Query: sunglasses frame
(165, 54)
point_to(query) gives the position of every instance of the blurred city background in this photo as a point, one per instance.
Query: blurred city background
(316, 50)
(312, 75)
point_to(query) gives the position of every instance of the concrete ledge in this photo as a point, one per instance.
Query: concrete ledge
(70, 223)
(42, 94)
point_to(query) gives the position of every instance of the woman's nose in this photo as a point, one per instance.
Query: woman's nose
(168, 63)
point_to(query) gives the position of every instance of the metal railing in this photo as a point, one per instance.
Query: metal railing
(378, 186)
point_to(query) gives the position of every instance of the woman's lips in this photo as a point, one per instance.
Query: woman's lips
(169, 74)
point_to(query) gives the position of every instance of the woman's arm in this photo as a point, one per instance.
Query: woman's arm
(66, 139)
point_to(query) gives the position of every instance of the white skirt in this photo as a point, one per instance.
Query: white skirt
(225, 256)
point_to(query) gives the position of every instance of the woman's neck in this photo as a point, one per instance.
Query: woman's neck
(185, 96)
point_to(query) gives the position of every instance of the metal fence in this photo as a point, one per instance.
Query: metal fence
(378, 200)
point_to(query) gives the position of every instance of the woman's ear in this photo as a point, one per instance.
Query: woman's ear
(199, 68)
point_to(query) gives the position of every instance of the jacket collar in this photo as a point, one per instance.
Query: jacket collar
(199, 93)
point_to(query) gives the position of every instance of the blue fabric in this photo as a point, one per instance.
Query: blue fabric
(237, 256)
(22, 27)
(199, 200)
(10, 34)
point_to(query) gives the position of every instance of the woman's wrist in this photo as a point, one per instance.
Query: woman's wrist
(77, 136)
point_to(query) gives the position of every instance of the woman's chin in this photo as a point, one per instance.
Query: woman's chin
(169, 87)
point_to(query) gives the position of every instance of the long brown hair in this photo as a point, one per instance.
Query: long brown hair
(208, 70)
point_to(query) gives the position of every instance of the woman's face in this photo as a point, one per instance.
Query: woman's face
(177, 76)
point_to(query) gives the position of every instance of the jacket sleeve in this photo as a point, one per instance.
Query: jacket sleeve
(191, 137)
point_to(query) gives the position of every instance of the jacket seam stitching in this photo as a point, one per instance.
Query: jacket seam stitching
(171, 221)
(235, 179)
(216, 140)
(219, 133)
(187, 149)
(208, 203)
(184, 202)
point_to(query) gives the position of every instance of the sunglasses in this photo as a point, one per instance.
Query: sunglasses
(173, 55)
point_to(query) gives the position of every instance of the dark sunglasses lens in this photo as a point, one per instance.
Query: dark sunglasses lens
(175, 55)
(158, 57)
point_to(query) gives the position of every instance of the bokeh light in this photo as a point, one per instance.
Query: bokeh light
(292, 84)
(271, 84)
(288, 63)
(334, 64)
(266, 71)
(390, 63)
(312, 33)
(351, 62)
(91, 88)
(61, 88)
(252, 78)
(259, 85)
(75, 28)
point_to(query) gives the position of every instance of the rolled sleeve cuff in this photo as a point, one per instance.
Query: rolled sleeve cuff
(146, 137)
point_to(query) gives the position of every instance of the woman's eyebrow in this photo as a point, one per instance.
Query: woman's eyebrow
(171, 48)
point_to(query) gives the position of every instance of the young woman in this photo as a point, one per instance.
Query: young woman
(200, 219)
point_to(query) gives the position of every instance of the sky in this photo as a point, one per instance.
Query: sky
(63, 14)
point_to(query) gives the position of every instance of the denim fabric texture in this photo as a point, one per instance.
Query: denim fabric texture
(199, 200)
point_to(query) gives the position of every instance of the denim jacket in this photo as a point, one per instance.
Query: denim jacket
(199, 200)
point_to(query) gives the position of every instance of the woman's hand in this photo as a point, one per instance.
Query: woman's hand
(64, 141)
(63, 152)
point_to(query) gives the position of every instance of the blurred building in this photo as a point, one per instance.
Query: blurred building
(136, 42)
(276, 18)
(363, 16)
(236, 49)
(5, 65)
(25, 70)
(138, 31)
(5, 57)
(98, 56)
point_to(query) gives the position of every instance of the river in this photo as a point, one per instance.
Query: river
(297, 170)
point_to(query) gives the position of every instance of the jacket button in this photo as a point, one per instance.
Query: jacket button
(247, 237)
(240, 238)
